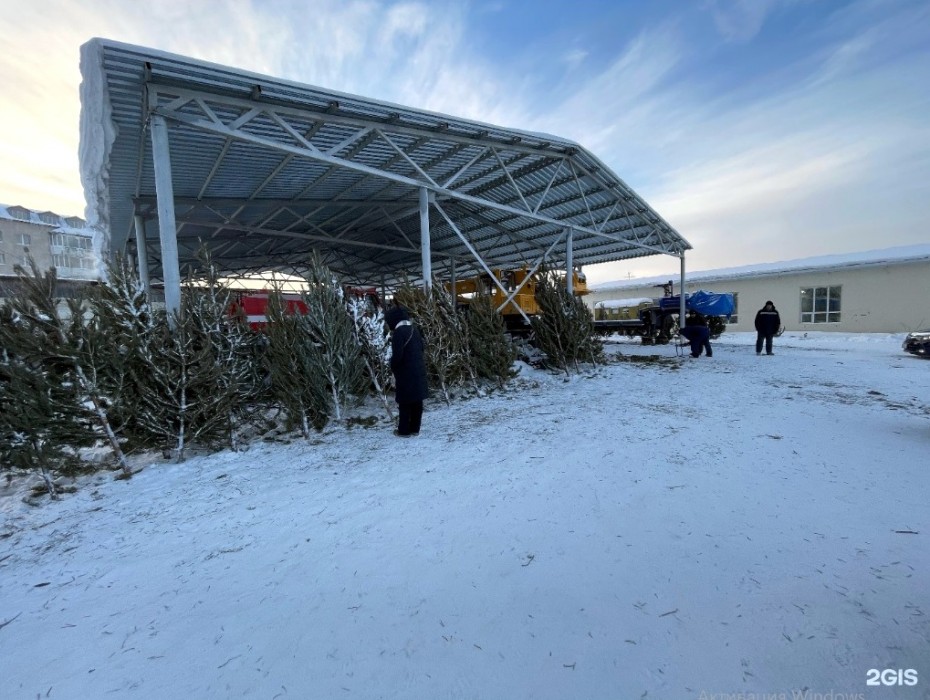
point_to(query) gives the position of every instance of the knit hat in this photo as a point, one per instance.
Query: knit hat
(395, 315)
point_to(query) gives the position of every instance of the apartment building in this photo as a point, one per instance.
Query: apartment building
(51, 240)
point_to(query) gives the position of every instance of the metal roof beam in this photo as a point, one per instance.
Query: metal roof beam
(269, 104)
(358, 167)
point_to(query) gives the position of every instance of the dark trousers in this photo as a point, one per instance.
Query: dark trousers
(410, 414)
(699, 337)
(767, 337)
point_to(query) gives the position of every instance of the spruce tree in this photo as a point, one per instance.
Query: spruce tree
(122, 326)
(445, 337)
(41, 415)
(63, 338)
(375, 345)
(197, 374)
(292, 360)
(492, 349)
(564, 327)
(229, 392)
(332, 331)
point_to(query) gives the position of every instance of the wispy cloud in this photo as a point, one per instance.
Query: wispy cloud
(410, 52)
(574, 58)
(814, 154)
(740, 20)
(827, 162)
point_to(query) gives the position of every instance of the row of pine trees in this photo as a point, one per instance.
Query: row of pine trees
(110, 369)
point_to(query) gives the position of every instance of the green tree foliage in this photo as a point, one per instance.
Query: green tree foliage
(492, 350)
(375, 345)
(564, 328)
(292, 360)
(45, 400)
(122, 326)
(196, 376)
(445, 336)
(332, 331)
(208, 305)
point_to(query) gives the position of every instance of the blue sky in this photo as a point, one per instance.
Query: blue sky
(763, 130)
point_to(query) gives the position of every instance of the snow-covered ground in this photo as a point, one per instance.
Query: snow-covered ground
(680, 528)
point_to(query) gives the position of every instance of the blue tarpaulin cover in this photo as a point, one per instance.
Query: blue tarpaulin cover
(707, 303)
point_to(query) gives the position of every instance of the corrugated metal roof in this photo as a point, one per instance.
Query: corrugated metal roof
(266, 171)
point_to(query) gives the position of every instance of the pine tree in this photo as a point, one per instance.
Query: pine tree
(231, 390)
(375, 344)
(41, 415)
(492, 349)
(122, 326)
(564, 328)
(292, 361)
(197, 374)
(333, 332)
(445, 338)
(63, 338)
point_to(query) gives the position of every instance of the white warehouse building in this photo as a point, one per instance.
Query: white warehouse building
(876, 291)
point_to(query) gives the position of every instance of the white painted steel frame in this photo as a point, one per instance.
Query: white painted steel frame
(298, 168)
(208, 120)
(303, 148)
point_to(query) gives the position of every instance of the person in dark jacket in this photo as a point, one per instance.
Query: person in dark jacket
(698, 333)
(767, 324)
(409, 368)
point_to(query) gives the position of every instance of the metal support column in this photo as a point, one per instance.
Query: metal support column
(167, 226)
(569, 264)
(142, 254)
(681, 294)
(424, 240)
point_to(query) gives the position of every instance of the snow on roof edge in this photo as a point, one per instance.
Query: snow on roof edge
(61, 227)
(896, 255)
(98, 132)
(100, 43)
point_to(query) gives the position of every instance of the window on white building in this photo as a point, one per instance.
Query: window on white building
(47, 217)
(2, 258)
(19, 213)
(25, 239)
(72, 241)
(821, 304)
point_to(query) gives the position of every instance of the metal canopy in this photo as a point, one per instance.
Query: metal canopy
(267, 171)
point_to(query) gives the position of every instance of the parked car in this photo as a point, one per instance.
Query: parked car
(918, 343)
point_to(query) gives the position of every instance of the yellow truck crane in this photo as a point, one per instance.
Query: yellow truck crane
(519, 284)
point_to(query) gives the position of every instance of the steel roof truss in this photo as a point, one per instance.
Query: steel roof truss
(581, 192)
(477, 257)
(479, 156)
(548, 187)
(406, 157)
(510, 177)
(216, 166)
(337, 162)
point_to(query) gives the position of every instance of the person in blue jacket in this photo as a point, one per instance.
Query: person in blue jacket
(767, 324)
(409, 368)
(698, 333)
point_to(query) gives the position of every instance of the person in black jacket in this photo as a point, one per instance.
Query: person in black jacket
(698, 333)
(409, 368)
(767, 324)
